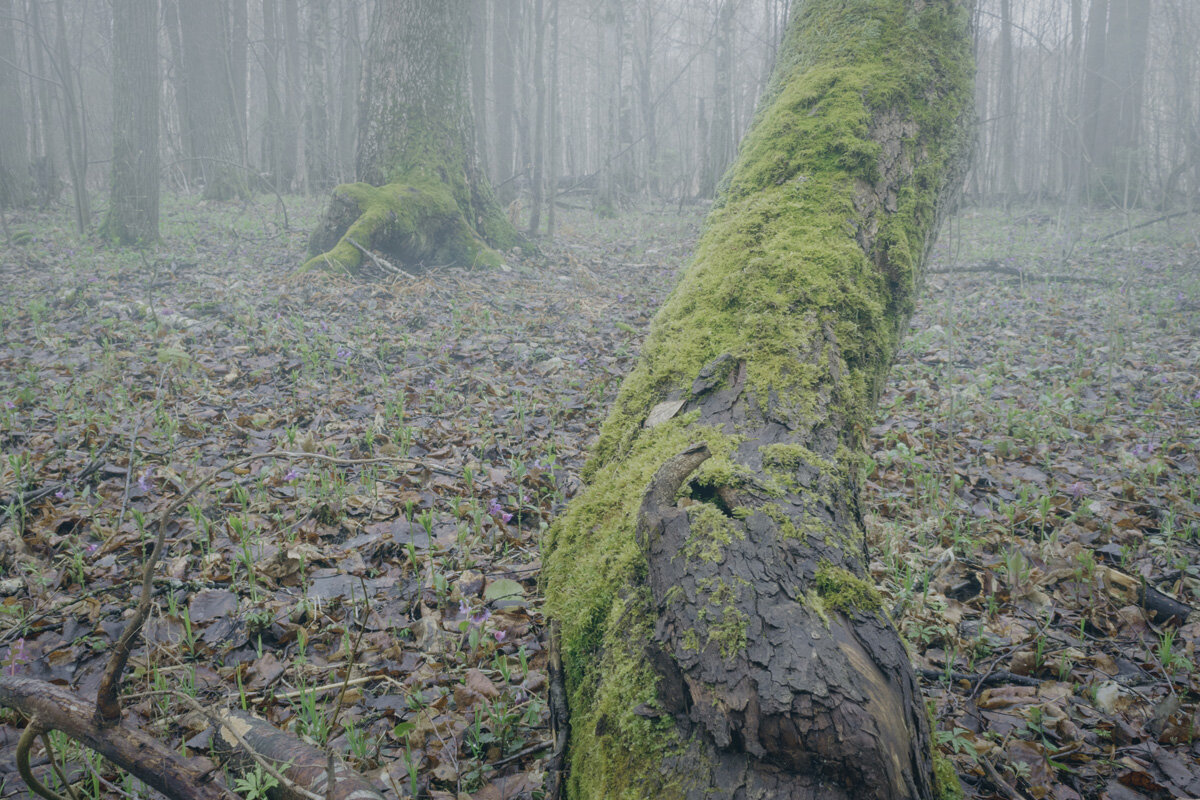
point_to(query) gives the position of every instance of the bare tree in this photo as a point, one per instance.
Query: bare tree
(133, 206)
(15, 187)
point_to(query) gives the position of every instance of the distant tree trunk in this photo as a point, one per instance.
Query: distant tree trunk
(74, 131)
(348, 96)
(293, 107)
(15, 186)
(506, 29)
(479, 78)
(190, 170)
(237, 72)
(1129, 31)
(133, 207)
(720, 138)
(611, 66)
(538, 188)
(647, 108)
(1095, 139)
(273, 130)
(708, 591)
(317, 152)
(421, 198)
(47, 185)
(1007, 109)
(555, 123)
(211, 109)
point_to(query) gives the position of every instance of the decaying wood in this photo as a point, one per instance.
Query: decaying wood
(140, 755)
(239, 737)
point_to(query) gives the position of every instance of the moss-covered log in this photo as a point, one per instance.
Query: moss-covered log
(719, 634)
(422, 197)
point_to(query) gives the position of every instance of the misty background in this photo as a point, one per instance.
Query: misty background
(1086, 102)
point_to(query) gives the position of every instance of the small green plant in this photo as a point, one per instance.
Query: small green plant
(256, 784)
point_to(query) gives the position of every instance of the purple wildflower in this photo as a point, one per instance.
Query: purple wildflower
(505, 516)
(463, 609)
(9, 404)
(60, 494)
(1077, 490)
(500, 635)
(293, 474)
(144, 480)
(344, 353)
(481, 617)
(494, 507)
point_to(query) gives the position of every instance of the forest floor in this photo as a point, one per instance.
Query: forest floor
(1034, 475)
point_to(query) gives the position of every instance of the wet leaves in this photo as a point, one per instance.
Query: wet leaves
(388, 608)
(1046, 435)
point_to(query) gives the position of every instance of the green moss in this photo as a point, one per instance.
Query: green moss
(592, 557)
(787, 528)
(780, 283)
(778, 263)
(413, 221)
(726, 624)
(709, 532)
(844, 591)
(946, 785)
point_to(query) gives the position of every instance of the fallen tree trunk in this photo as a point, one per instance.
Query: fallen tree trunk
(718, 634)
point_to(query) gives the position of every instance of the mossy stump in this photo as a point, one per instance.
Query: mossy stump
(718, 631)
(411, 225)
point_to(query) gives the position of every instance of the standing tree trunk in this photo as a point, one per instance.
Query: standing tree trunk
(273, 130)
(318, 150)
(293, 95)
(421, 198)
(15, 186)
(348, 96)
(133, 207)
(720, 138)
(506, 30)
(210, 107)
(717, 631)
(538, 183)
(555, 123)
(1007, 110)
(73, 115)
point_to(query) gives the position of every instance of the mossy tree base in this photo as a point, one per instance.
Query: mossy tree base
(718, 632)
(411, 224)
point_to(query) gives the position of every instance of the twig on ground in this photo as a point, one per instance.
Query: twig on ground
(381, 262)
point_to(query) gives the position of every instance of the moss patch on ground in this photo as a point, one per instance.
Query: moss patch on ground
(410, 222)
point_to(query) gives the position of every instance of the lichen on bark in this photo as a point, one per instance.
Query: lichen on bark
(751, 658)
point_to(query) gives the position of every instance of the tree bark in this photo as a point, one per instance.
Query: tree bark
(133, 205)
(421, 198)
(15, 186)
(318, 142)
(719, 635)
(273, 130)
(211, 110)
(538, 179)
(506, 29)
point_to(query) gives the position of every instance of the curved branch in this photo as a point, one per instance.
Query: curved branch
(147, 759)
